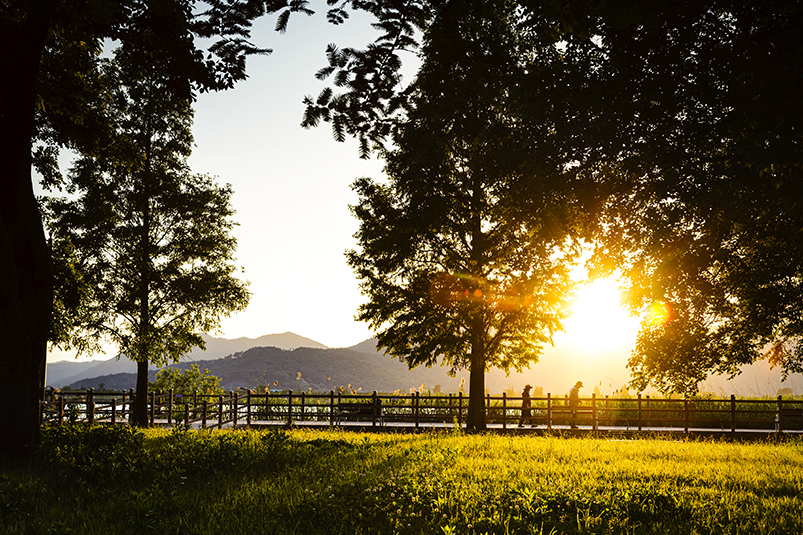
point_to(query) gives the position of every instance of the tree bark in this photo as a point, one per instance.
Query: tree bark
(140, 416)
(26, 287)
(143, 339)
(475, 421)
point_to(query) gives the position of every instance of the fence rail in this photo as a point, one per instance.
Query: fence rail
(417, 410)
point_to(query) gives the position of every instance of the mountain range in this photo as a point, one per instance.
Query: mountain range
(288, 360)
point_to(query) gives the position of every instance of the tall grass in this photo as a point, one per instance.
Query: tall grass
(118, 480)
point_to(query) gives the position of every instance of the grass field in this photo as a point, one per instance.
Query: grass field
(109, 480)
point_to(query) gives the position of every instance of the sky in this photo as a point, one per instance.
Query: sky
(292, 190)
(291, 187)
(292, 195)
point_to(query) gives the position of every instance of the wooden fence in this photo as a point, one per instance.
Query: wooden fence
(417, 410)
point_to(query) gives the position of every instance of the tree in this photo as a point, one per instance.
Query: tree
(186, 383)
(151, 240)
(698, 110)
(465, 254)
(686, 113)
(40, 32)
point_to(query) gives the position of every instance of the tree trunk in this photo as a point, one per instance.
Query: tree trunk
(25, 280)
(476, 383)
(140, 416)
(142, 343)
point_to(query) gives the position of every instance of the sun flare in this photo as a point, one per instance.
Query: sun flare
(598, 323)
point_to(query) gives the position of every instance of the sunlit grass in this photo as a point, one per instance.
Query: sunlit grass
(335, 482)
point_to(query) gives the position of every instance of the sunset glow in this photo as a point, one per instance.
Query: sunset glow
(598, 323)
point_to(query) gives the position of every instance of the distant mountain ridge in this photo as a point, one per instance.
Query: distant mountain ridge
(360, 368)
(281, 357)
(66, 372)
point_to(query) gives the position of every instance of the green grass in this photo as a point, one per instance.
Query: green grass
(116, 480)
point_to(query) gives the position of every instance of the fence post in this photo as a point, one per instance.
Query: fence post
(415, 404)
(236, 408)
(649, 412)
(114, 410)
(153, 406)
(686, 416)
(549, 411)
(374, 408)
(204, 413)
(779, 415)
(488, 407)
(90, 405)
(170, 407)
(331, 408)
(594, 410)
(504, 410)
(129, 410)
(639, 411)
(220, 411)
(733, 413)
(460, 409)
(301, 416)
(289, 407)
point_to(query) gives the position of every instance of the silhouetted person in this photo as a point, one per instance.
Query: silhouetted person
(574, 402)
(525, 407)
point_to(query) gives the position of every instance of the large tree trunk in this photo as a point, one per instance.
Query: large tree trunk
(25, 280)
(143, 336)
(476, 381)
(140, 416)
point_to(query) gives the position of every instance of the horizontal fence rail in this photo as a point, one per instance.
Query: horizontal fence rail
(419, 410)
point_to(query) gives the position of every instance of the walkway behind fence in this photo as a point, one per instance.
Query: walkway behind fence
(417, 411)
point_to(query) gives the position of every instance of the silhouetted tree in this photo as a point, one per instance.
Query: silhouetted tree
(151, 239)
(186, 382)
(54, 44)
(465, 254)
(686, 113)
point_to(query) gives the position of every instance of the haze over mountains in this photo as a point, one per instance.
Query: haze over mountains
(298, 363)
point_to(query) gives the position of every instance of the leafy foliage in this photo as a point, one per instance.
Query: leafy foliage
(150, 241)
(465, 254)
(685, 116)
(191, 380)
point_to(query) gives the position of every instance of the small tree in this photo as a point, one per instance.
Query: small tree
(150, 240)
(187, 382)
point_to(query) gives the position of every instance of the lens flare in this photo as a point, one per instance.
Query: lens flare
(659, 313)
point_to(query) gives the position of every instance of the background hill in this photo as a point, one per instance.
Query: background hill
(284, 356)
(65, 372)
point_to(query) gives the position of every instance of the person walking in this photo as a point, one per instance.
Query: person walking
(574, 402)
(525, 407)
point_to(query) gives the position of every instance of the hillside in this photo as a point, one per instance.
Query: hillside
(324, 369)
(65, 372)
(301, 369)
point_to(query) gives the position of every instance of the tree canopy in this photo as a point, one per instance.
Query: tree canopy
(150, 241)
(465, 254)
(54, 64)
(186, 382)
(685, 116)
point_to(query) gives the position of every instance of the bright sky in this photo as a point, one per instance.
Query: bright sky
(292, 191)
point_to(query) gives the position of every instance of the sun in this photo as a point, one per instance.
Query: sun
(598, 323)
